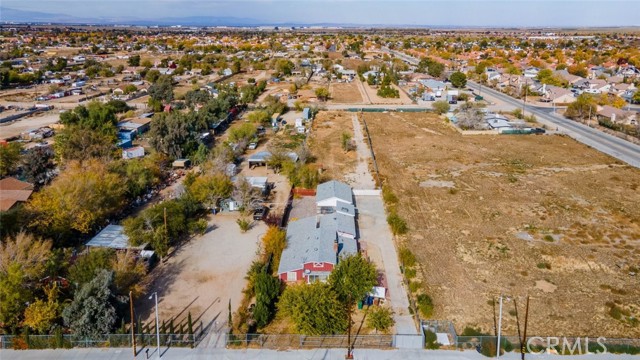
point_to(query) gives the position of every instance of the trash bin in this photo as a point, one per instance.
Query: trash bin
(360, 305)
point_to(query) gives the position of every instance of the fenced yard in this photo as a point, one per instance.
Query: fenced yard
(295, 341)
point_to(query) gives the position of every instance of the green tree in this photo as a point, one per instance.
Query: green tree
(9, 158)
(139, 174)
(353, 278)
(259, 117)
(380, 318)
(87, 266)
(14, 295)
(267, 289)
(458, 79)
(162, 89)
(210, 189)
(440, 107)
(78, 143)
(581, 109)
(284, 67)
(134, 60)
(322, 93)
(243, 132)
(92, 312)
(314, 309)
(152, 76)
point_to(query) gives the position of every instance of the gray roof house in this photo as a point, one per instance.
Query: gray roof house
(329, 193)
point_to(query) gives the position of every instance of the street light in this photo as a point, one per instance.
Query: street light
(155, 294)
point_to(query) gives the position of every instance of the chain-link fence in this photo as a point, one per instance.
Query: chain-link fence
(64, 341)
(295, 341)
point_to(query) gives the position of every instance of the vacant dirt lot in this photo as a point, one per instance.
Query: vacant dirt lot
(345, 93)
(521, 215)
(325, 144)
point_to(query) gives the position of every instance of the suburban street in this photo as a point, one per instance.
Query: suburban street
(608, 144)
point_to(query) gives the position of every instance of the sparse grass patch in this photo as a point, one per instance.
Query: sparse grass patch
(544, 265)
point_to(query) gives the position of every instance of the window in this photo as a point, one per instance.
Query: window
(292, 276)
(316, 278)
(316, 264)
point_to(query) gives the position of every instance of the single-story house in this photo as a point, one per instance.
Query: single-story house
(331, 194)
(260, 158)
(616, 115)
(13, 191)
(258, 182)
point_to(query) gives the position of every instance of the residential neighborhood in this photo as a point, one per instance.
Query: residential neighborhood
(288, 187)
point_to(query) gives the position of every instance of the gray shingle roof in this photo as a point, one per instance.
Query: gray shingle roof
(310, 241)
(113, 237)
(332, 189)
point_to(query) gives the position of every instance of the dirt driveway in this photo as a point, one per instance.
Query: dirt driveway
(203, 275)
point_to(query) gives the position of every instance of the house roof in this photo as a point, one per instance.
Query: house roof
(334, 189)
(608, 111)
(312, 239)
(12, 191)
(113, 237)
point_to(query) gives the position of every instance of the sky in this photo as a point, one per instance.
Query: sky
(503, 13)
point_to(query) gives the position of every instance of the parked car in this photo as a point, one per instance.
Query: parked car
(538, 131)
(252, 146)
(260, 213)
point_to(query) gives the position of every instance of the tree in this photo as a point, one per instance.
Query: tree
(210, 189)
(139, 174)
(134, 60)
(458, 79)
(9, 157)
(28, 252)
(162, 89)
(259, 117)
(284, 67)
(92, 312)
(152, 75)
(274, 241)
(346, 142)
(41, 315)
(129, 271)
(77, 200)
(581, 109)
(380, 318)
(243, 132)
(14, 295)
(245, 193)
(322, 93)
(37, 165)
(87, 266)
(236, 67)
(314, 309)
(267, 289)
(440, 107)
(176, 134)
(636, 97)
(76, 143)
(353, 278)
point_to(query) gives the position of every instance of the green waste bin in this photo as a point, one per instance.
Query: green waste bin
(360, 305)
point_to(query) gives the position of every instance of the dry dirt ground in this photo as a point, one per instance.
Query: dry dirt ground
(521, 215)
(17, 127)
(345, 93)
(375, 99)
(325, 144)
(204, 275)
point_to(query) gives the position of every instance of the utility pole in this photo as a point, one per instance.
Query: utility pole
(166, 231)
(526, 90)
(349, 350)
(515, 305)
(526, 321)
(499, 328)
(133, 327)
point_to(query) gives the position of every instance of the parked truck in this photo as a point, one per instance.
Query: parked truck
(452, 96)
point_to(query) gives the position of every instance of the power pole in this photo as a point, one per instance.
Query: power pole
(499, 328)
(133, 327)
(515, 305)
(526, 321)
(166, 232)
(349, 350)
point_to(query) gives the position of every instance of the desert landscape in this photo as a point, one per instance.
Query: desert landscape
(543, 216)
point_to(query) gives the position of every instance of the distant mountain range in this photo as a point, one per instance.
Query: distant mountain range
(21, 16)
(8, 15)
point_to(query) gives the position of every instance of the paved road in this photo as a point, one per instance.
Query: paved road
(316, 354)
(608, 144)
